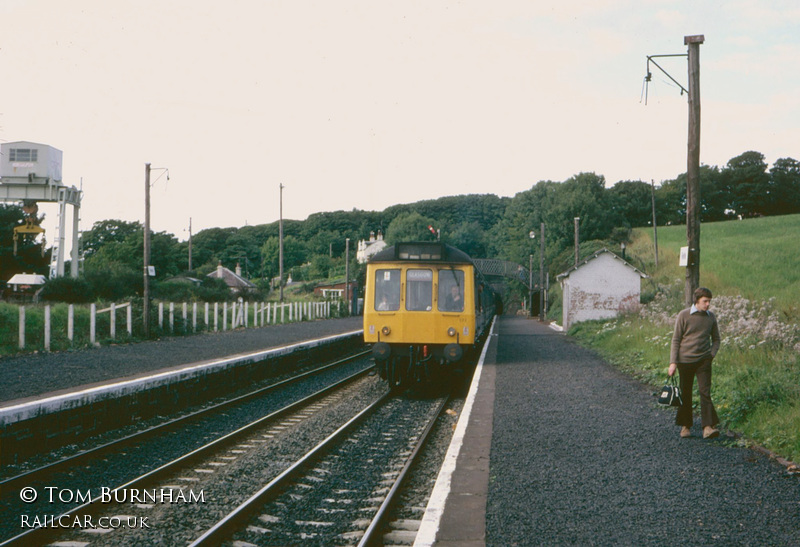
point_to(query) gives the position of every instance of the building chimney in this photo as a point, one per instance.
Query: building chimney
(238, 270)
(219, 270)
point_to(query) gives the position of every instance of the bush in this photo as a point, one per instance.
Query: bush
(68, 289)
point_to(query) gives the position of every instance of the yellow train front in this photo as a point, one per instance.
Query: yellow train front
(425, 305)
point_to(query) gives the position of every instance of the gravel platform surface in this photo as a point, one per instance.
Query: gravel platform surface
(582, 455)
(31, 375)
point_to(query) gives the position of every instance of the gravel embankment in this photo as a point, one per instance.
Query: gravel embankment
(34, 374)
(582, 455)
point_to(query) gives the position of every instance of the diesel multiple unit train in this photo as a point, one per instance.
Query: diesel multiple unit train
(425, 304)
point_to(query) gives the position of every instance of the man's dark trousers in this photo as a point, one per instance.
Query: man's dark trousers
(708, 414)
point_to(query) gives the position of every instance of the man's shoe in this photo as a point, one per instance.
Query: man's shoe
(686, 432)
(710, 433)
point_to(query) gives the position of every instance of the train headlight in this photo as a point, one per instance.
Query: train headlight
(451, 332)
(386, 330)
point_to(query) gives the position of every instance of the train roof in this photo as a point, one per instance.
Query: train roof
(422, 251)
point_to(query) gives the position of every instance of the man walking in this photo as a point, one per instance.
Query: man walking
(695, 343)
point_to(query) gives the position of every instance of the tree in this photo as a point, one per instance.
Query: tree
(294, 254)
(469, 237)
(105, 232)
(583, 196)
(785, 186)
(409, 227)
(746, 182)
(632, 201)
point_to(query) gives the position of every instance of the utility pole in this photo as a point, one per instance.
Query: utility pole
(146, 294)
(347, 275)
(577, 239)
(693, 170)
(655, 226)
(190, 244)
(530, 285)
(280, 245)
(542, 300)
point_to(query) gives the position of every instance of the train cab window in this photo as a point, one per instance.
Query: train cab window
(419, 290)
(387, 290)
(451, 290)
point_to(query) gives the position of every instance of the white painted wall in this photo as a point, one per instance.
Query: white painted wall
(599, 289)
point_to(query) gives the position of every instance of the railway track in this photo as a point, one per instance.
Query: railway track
(351, 479)
(81, 476)
(138, 436)
(342, 490)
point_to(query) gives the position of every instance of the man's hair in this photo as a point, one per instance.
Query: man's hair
(700, 292)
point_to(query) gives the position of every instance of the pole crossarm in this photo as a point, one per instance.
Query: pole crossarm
(503, 268)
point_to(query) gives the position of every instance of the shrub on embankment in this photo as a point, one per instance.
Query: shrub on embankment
(751, 268)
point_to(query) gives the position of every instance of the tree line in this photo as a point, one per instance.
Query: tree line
(484, 226)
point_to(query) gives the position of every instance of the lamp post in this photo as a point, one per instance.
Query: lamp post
(541, 275)
(532, 236)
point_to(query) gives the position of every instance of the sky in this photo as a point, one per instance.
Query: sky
(363, 104)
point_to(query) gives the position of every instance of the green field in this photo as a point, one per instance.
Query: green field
(752, 268)
(757, 258)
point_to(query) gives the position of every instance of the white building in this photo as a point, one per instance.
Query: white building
(600, 287)
(368, 248)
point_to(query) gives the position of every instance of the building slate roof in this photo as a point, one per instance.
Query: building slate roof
(595, 255)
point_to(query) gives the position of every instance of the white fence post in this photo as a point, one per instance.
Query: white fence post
(263, 305)
(71, 323)
(113, 330)
(216, 316)
(47, 327)
(129, 319)
(194, 316)
(246, 314)
(22, 327)
(282, 308)
(224, 316)
(172, 317)
(93, 324)
(206, 309)
(185, 318)
(161, 315)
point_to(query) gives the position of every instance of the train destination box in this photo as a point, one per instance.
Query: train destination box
(24, 161)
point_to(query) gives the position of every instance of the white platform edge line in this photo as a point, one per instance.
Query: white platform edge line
(429, 526)
(23, 411)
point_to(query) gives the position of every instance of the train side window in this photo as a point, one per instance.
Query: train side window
(387, 290)
(419, 290)
(451, 290)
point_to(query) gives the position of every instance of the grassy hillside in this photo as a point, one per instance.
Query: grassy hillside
(752, 268)
(756, 258)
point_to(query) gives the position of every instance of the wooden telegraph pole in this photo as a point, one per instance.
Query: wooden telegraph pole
(693, 170)
(280, 245)
(146, 241)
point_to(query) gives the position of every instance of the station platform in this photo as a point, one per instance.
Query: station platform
(27, 377)
(557, 447)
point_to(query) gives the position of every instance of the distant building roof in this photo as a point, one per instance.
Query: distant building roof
(27, 279)
(233, 280)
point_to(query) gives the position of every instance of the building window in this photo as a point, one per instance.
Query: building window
(23, 154)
